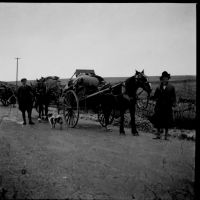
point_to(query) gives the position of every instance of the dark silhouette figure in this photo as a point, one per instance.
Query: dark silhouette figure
(165, 98)
(25, 100)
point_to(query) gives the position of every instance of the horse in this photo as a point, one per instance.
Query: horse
(46, 91)
(124, 96)
(41, 98)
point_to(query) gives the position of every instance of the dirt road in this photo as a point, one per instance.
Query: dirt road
(87, 162)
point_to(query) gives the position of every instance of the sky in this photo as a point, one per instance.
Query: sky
(114, 39)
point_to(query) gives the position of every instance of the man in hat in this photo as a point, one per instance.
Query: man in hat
(25, 100)
(165, 98)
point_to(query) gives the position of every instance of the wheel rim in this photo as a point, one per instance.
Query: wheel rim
(71, 108)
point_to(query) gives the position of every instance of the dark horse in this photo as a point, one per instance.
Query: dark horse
(124, 97)
(41, 98)
(47, 90)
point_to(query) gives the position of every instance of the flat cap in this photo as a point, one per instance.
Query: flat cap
(23, 79)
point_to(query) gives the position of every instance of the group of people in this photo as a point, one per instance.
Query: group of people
(164, 96)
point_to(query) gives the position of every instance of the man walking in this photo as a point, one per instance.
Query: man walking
(25, 100)
(165, 98)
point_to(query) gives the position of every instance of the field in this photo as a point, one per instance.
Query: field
(185, 85)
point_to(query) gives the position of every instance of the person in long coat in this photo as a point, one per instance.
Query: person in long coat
(25, 100)
(165, 98)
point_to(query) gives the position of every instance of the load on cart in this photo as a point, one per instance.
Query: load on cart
(85, 82)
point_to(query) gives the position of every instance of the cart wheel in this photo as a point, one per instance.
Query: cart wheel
(101, 116)
(71, 108)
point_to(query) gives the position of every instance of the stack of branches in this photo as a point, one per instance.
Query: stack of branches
(184, 113)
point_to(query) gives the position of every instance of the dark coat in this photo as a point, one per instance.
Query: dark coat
(25, 97)
(165, 100)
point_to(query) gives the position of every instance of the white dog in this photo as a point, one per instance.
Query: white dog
(55, 119)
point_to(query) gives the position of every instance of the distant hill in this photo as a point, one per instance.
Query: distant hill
(153, 79)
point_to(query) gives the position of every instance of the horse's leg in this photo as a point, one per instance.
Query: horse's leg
(132, 114)
(109, 104)
(121, 128)
(122, 112)
(45, 106)
(104, 109)
(121, 107)
(40, 110)
(46, 109)
(107, 113)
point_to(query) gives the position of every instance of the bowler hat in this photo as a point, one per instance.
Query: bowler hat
(23, 79)
(165, 74)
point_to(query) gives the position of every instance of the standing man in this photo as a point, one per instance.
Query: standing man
(165, 98)
(25, 100)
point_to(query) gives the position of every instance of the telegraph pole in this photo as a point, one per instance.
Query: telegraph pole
(17, 72)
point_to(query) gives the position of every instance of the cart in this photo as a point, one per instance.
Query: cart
(83, 100)
(74, 101)
(7, 93)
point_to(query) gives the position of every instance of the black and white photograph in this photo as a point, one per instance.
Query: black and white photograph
(98, 101)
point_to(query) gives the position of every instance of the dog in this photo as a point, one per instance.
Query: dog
(55, 119)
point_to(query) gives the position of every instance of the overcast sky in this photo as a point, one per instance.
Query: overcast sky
(114, 39)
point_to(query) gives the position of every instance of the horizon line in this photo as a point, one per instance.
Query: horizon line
(102, 76)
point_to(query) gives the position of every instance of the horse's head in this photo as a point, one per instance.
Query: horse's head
(142, 81)
(40, 86)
